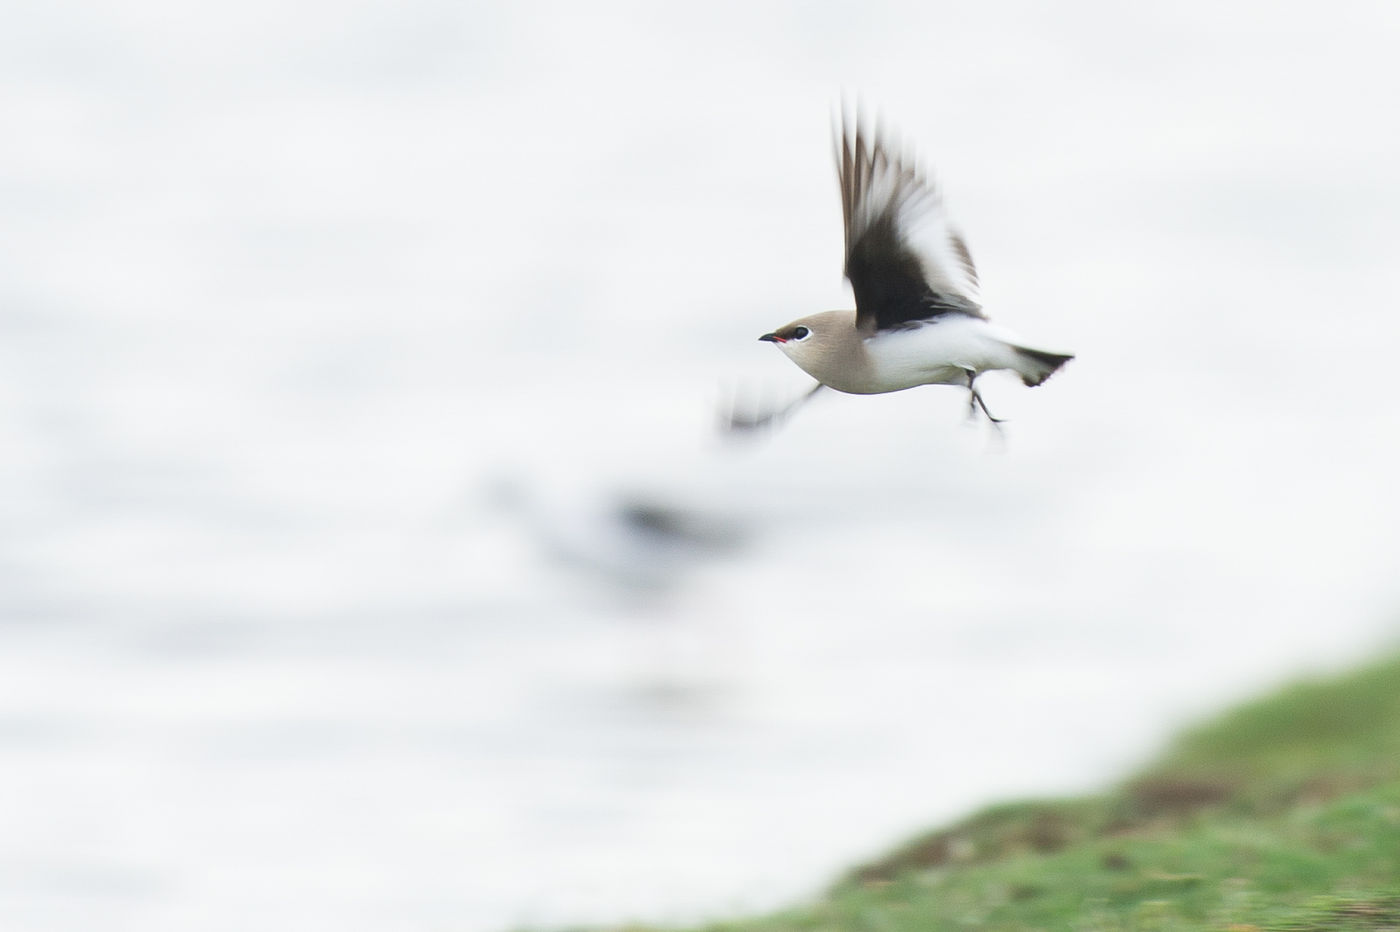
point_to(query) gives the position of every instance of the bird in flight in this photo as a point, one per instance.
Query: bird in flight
(917, 319)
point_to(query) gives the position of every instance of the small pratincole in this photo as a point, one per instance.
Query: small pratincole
(917, 319)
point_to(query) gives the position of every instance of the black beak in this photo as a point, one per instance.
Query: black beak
(771, 338)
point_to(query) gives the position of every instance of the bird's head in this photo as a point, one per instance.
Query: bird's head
(808, 340)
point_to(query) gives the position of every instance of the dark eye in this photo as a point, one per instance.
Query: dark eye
(800, 333)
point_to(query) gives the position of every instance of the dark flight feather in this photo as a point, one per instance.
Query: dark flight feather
(904, 262)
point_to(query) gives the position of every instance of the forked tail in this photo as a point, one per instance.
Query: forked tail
(1038, 365)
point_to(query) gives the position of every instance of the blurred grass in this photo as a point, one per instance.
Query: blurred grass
(1283, 814)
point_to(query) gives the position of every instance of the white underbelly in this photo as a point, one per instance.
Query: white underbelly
(940, 352)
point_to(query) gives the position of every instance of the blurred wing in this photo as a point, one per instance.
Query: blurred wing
(904, 260)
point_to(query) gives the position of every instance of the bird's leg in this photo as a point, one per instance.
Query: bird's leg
(971, 393)
(974, 400)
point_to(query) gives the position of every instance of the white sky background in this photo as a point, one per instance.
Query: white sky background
(289, 293)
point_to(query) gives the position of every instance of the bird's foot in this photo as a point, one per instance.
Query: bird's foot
(975, 402)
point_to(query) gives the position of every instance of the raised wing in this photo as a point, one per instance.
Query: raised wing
(904, 260)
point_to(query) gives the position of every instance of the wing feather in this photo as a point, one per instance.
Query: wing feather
(904, 260)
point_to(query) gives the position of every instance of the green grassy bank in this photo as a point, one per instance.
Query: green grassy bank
(1284, 814)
